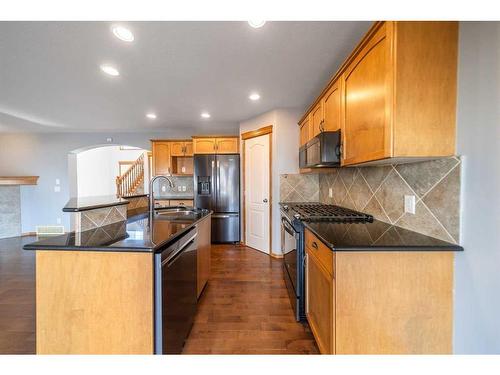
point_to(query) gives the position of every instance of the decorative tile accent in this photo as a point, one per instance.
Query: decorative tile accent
(99, 217)
(10, 211)
(299, 188)
(380, 190)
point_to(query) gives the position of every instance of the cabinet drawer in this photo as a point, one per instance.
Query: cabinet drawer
(320, 251)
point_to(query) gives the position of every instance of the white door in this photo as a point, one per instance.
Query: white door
(257, 205)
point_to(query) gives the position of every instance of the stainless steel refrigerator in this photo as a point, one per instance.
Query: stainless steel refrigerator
(217, 188)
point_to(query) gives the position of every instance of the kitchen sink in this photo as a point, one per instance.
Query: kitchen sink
(176, 211)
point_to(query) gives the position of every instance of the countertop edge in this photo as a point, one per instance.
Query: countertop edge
(93, 207)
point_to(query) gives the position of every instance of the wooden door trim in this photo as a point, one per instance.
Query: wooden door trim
(257, 133)
(268, 130)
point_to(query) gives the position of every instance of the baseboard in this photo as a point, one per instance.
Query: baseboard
(277, 256)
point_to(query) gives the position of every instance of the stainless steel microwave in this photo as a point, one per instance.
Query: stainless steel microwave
(321, 151)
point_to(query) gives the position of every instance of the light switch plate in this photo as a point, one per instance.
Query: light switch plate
(330, 192)
(410, 204)
(183, 187)
(57, 189)
(163, 188)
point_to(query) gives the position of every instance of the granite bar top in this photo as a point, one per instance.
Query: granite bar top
(132, 235)
(78, 204)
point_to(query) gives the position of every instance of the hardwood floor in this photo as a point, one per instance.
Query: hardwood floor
(243, 310)
(17, 297)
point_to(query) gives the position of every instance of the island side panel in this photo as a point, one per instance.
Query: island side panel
(394, 302)
(91, 302)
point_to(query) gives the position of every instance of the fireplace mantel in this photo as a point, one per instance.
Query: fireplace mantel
(18, 180)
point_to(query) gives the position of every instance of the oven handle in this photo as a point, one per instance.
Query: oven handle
(287, 226)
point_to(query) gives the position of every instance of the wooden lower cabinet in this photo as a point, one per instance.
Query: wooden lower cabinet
(378, 302)
(173, 202)
(320, 303)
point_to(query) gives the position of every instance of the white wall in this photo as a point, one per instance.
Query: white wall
(97, 169)
(285, 158)
(477, 269)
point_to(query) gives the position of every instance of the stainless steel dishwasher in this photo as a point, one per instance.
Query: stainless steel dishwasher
(175, 293)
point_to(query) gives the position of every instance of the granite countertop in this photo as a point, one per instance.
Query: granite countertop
(132, 235)
(376, 236)
(372, 236)
(90, 203)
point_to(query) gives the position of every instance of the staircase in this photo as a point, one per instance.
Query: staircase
(132, 181)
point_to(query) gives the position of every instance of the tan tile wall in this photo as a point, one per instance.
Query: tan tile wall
(299, 188)
(380, 192)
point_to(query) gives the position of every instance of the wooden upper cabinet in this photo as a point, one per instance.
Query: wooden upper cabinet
(177, 148)
(394, 98)
(220, 145)
(204, 145)
(331, 108)
(181, 148)
(161, 157)
(188, 148)
(316, 120)
(304, 131)
(227, 145)
(367, 100)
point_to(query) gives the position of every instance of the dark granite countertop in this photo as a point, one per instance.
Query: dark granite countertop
(372, 236)
(376, 236)
(132, 235)
(90, 203)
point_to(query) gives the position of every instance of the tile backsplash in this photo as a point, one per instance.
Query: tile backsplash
(178, 181)
(380, 191)
(299, 188)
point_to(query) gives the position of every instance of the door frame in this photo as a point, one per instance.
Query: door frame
(248, 135)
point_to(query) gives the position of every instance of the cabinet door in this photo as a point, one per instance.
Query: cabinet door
(367, 94)
(188, 148)
(331, 108)
(320, 296)
(161, 158)
(304, 131)
(317, 120)
(204, 146)
(176, 148)
(227, 145)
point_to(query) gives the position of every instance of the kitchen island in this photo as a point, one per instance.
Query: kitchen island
(96, 290)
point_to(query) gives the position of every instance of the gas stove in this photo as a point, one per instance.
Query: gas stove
(314, 212)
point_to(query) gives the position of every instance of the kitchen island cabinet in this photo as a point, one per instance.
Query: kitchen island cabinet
(379, 302)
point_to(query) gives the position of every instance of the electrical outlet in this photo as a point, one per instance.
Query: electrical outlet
(410, 204)
(57, 189)
(179, 188)
(330, 193)
(163, 188)
(58, 181)
(183, 187)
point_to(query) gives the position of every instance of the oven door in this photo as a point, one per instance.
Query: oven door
(289, 241)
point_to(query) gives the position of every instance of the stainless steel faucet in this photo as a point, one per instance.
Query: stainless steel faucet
(152, 195)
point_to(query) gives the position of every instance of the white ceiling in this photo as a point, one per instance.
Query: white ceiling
(50, 78)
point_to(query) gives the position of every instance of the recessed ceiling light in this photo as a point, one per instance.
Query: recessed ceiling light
(152, 116)
(254, 96)
(205, 115)
(123, 33)
(256, 23)
(111, 70)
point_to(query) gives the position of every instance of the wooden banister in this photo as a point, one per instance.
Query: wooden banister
(127, 183)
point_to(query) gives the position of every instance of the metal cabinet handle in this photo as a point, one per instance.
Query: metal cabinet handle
(218, 163)
(314, 245)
